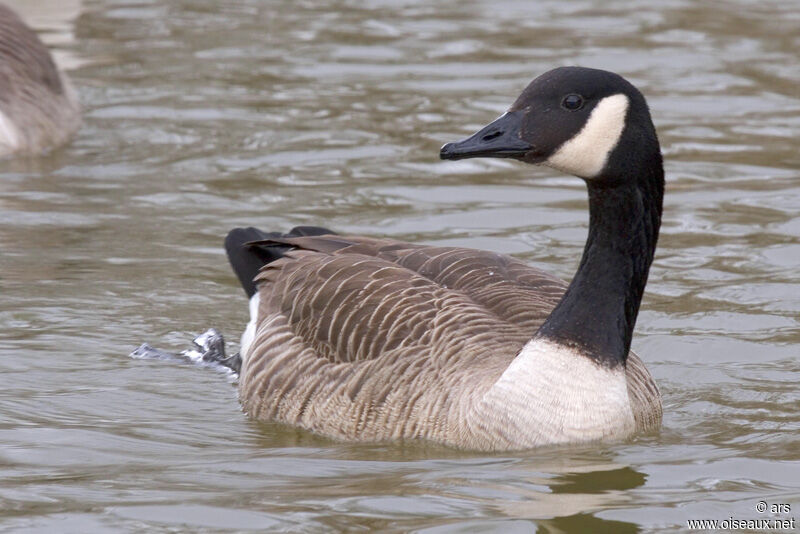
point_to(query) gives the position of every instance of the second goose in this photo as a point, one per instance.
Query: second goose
(369, 339)
(38, 107)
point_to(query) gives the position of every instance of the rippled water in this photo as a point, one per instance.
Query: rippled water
(203, 115)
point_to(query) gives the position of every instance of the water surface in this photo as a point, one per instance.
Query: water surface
(204, 115)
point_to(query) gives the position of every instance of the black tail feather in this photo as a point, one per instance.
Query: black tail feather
(247, 260)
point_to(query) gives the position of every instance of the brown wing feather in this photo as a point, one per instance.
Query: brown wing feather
(352, 345)
(506, 286)
(348, 306)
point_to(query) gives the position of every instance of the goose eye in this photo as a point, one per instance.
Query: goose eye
(572, 102)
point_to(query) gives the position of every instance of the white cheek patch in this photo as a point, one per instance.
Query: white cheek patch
(250, 331)
(586, 154)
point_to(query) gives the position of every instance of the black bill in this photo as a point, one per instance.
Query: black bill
(500, 139)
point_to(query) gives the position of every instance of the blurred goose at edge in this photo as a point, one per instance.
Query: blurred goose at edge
(38, 107)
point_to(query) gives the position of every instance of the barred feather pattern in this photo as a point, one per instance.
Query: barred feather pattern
(373, 339)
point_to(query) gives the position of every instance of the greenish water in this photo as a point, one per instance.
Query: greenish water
(204, 115)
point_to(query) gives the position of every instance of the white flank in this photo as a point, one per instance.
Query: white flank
(250, 330)
(586, 153)
(9, 136)
(551, 394)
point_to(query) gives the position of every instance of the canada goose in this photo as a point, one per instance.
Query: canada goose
(369, 339)
(38, 107)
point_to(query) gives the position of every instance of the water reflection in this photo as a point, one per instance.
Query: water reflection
(585, 523)
(552, 489)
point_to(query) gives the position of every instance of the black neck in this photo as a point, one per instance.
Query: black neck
(598, 311)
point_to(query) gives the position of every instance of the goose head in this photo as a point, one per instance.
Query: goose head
(586, 122)
(595, 125)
